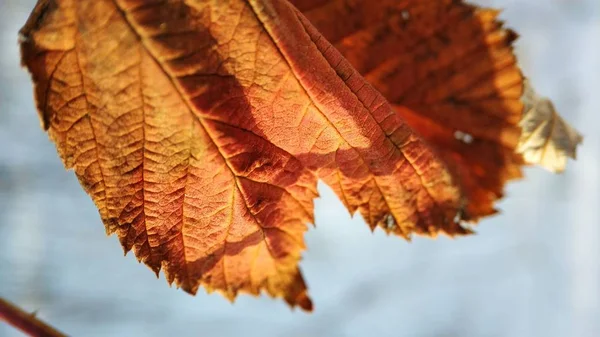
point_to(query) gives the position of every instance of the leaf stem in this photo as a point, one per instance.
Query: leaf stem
(26, 322)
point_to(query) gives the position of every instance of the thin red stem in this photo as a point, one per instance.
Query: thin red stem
(26, 322)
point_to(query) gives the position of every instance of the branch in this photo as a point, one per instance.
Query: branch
(26, 322)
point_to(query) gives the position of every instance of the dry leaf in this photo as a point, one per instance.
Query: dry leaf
(547, 139)
(449, 70)
(200, 128)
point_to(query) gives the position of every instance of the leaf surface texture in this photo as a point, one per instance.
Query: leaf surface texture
(200, 128)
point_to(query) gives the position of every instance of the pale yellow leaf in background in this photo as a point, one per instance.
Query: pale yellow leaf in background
(546, 139)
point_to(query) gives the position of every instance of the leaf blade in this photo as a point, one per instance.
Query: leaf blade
(199, 128)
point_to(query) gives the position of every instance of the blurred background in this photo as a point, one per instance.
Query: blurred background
(533, 270)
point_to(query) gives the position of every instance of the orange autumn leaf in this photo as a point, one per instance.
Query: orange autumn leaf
(450, 72)
(200, 128)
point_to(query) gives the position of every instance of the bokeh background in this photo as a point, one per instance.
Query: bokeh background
(534, 270)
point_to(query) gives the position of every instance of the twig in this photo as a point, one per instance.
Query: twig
(26, 322)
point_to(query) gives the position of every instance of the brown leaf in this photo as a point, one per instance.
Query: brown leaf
(153, 107)
(200, 128)
(450, 72)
